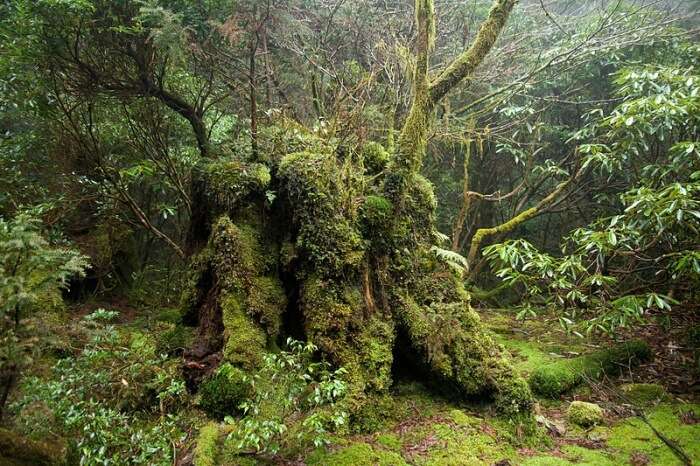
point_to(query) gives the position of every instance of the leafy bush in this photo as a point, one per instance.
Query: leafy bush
(292, 398)
(30, 268)
(102, 397)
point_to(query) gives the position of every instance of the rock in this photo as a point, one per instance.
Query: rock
(584, 414)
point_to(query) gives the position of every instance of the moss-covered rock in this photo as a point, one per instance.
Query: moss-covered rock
(18, 449)
(584, 414)
(559, 377)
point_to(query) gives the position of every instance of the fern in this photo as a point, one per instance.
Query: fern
(454, 260)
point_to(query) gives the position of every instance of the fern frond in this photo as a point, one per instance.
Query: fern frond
(454, 260)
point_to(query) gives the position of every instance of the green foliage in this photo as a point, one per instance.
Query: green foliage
(293, 399)
(553, 379)
(584, 414)
(30, 269)
(223, 392)
(454, 260)
(100, 396)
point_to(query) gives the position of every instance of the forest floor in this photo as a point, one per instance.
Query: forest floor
(418, 427)
(432, 432)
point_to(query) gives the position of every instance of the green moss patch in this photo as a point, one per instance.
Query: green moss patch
(642, 394)
(553, 379)
(207, 449)
(357, 454)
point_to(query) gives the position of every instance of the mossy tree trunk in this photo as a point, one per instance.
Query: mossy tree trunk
(342, 257)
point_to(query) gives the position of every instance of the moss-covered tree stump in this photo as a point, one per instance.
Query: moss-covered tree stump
(331, 261)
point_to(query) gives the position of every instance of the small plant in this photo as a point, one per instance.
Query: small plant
(292, 397)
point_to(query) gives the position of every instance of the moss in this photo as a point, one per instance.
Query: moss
(376, 210)
(221, 394)
(570, 455)
(335, 320)
(357, 454)
(462, 355)
(584, 414)
(559, 377)
(526, 355)
(229, 181)
(633, 435)
(322, 212)
(21, 450)
(643, 393)
(460, 418)
(246, 341)
(374, 157)
(390, 441)
(207, 449)
(266, 300)
(464, 447)
(251, 299)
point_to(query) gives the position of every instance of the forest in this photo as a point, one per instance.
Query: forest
(349, 232)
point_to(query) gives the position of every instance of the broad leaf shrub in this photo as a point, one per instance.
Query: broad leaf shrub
(117, 397)
(295, 401)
